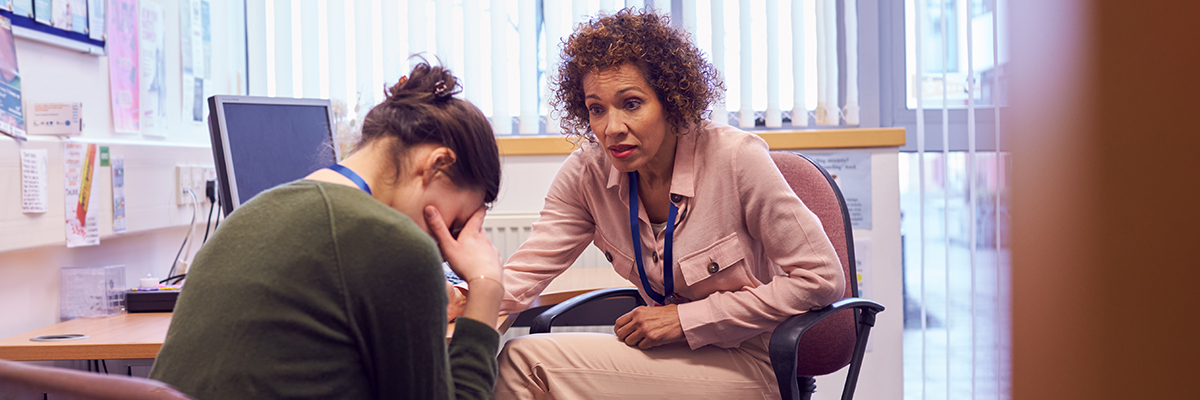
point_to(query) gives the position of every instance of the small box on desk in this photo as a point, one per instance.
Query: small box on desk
(151, 300)
(92, 292)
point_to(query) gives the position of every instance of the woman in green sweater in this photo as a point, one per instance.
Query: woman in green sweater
(332, 286)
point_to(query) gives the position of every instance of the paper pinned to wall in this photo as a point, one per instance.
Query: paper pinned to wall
(852, 172)
(96, 24)
(153, 76)
(83, 228)
(41, 11)
(23, 8)
(12, 116)
(34, 193)
(123, 60)
(118, 191)
(195, 40)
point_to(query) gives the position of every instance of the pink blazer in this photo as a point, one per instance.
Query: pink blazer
(746, 250)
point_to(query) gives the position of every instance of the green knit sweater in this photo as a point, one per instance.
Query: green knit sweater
(316, 290)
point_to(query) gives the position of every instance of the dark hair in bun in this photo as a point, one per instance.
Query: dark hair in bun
(420, 109)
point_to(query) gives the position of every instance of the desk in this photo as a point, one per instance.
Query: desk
(118, 337)
(140, 336)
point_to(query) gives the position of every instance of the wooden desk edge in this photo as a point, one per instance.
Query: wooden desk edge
(516, 145)
(81, 352)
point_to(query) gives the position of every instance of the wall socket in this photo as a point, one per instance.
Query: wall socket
(192, 177)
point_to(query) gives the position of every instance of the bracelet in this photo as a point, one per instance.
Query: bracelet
(485, 277)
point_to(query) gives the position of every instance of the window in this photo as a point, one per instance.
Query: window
(348, 50)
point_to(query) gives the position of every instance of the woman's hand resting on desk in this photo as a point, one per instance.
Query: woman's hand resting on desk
(471, 256)
(647, 327)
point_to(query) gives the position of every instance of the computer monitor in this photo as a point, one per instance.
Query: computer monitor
(262, 142)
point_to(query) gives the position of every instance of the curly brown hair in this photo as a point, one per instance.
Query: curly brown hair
(674, 67)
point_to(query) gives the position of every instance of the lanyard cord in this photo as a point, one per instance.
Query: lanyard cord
(635, 231)
(358, 180)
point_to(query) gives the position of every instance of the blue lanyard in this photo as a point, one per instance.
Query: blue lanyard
(358, 180)
(635, 230)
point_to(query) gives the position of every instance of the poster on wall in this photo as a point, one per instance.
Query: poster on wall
(153, 77)
(60, 14)
(23, 8)
(852, 172)
(118, 191)
(78, 13)
(123, 64)
(195, 39)
(83, 228)
(96, 13)
(12, 118)
(42, 11)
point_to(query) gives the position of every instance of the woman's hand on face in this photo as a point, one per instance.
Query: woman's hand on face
(471, 255)
(647, 327)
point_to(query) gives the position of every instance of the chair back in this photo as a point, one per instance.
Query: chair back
(829, 345)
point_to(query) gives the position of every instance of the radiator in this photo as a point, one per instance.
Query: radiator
(508, 231)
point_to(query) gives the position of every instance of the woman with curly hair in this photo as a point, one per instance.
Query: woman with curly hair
(694, 213)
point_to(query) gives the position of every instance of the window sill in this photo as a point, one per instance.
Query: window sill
(776, 139)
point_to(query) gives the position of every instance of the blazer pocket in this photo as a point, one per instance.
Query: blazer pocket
(711, 260)
(622, 264)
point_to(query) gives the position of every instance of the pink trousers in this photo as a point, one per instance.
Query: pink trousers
(599, 366)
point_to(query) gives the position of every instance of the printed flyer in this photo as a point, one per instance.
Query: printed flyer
(118, 191)
(153, 65)
(83, 228)
(12, 118)
(123, 60)
(96, 19)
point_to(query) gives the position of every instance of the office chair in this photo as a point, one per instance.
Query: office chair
(83, 385)
(806, 345)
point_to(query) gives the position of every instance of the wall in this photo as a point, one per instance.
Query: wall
(32, 246)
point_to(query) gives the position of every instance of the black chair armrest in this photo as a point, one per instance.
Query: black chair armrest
(785, 341)
(542, 323)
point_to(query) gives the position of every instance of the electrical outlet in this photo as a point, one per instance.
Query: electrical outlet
(183, 179)
(198, 183)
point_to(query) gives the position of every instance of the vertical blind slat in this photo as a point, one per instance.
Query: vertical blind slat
(822, 72)
(297, 42)
(799, 108)
(554, 22)
(527, 31)
(472, 67)
(688, 10)
(971, 184)
(311, 80)
(852, 108)
(746, 59)
(393, 53)
(256, 47)
(831, 62)
(774, 116)
(917, 88)
(365, 54)
(445, 34)
(501, 117)
(283, 48)
(719, 112)
(335, 18)
(946, 193)
(418, 42)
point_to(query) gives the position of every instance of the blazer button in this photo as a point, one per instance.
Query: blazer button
(608, 256)
(654, 255)
(713, 267)
(676, 198)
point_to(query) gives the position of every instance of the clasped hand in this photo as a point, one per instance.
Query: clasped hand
(647, 327)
